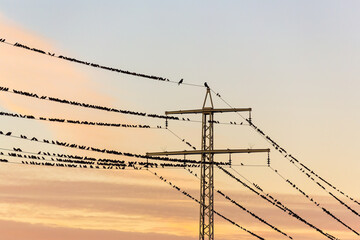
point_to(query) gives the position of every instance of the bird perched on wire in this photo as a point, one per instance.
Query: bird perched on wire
(181, 81)
(8, 134)
(206, 85)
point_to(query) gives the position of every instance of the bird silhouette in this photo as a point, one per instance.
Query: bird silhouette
(206, 85)
(8, 134)
(181, 81)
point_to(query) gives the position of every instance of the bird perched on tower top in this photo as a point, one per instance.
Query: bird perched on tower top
(206, 85)
(181, 81)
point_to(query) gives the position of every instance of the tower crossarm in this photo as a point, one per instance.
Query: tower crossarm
(215, 151)
(208, 110)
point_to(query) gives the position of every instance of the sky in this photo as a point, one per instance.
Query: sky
(295, 63)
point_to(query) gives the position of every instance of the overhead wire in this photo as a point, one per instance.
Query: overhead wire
(325, 210)
(102, 162)
(270, 199)
(95, 65)
(330, 193)
(304, 171)
(60, 164)
(267, 197)
(98, 150)
(182, 139)
(316, 203)
(103, 108)
(77, 122)
(227, 197)
(285, 154)
(196, 200)
(86, 105)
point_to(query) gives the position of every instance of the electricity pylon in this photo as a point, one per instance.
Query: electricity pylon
(206, 231)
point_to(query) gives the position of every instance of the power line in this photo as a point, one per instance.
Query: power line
(269, 198)
(86, 105)
(308, 172)
(104, 150)
(250, 182)
(278, 204)
(182, 139)
(315, 202)
(112, 69)
(112, 162)
(69, 165)
(226, 196)
(194, 199)
(90, 123)
(18, 153)
(243, 208)
(285, 154)
(103, 108)
(331, 194)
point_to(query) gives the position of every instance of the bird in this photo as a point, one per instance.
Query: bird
(181, 81)
(206, 85)
(8, 134)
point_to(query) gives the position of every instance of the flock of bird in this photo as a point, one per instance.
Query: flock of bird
(107, 151)
(122, 125)
(94, 163)
(98, 107)
(244, 209)
(189, 144)
(86, 105)
(194, 199)
(318, 204)
(85, 162)
(114, 152)
(17, 44)
(270, 199)
(304, 169)
(92, 64)
(253, 214)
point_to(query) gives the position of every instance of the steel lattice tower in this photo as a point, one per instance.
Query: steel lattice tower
(206, 231)
(207, 173)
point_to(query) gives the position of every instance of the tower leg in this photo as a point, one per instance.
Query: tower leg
(207, 180)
